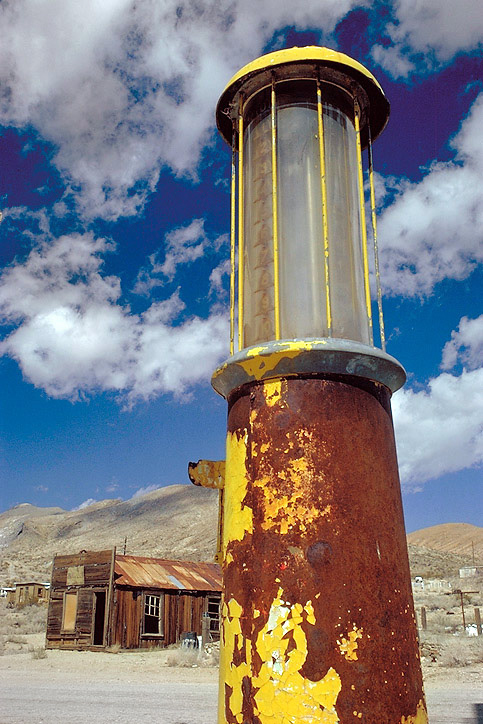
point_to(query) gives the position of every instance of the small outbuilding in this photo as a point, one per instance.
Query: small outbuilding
(100, 599)
(28, 593)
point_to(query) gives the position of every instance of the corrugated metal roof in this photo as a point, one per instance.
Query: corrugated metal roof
(140, 572)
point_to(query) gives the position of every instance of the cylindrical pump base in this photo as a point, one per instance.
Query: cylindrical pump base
(318, 618)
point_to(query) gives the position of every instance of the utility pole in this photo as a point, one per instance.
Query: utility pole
(318, 617)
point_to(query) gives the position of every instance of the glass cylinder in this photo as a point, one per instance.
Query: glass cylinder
(294, 183)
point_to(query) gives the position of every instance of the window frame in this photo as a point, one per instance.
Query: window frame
(153, 602)
(215, 620)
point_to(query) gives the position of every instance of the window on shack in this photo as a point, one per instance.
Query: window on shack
(69, 612)
(213, 609)
(153, 615)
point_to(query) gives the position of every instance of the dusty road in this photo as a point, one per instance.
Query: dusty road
(79, 687)
(173, 703)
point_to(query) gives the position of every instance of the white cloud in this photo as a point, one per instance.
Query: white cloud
(434, 229)
(182, 245)
(393, 60)
(85, 504)
(427, 32)
(465, 346)
(72, 335)
(440, 429)
(144, 491)
(121, 89)
(217, 275)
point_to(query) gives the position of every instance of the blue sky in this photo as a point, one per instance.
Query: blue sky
(113, 242)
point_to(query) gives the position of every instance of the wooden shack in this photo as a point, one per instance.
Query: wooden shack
(100, 599)
(28, 593)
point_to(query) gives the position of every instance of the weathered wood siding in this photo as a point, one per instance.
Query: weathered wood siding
(90, 574)
(126, 618)
(83, 574)
(182, 613)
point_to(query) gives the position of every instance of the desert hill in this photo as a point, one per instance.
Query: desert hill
(460, 538)
(178, 521)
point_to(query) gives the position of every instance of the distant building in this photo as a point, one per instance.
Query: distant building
(470, 571)
(434, 585)
(101, 599)
(7, 592)
(28, 593)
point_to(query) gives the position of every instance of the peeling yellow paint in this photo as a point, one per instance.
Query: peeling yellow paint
(283, 512)
(348, 646)
(262, 360)
(282, 694)
(238, 518)
(272, 392)
(421, 716)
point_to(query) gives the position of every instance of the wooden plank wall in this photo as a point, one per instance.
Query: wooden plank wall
(127, 618)
(91, 571)
(182, 613)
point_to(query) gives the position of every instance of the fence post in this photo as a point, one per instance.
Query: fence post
(424, 623)
(478, 621)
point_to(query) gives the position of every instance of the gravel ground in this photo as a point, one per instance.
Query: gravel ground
(81, 686)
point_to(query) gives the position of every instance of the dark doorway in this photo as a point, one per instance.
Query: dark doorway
(99, 615)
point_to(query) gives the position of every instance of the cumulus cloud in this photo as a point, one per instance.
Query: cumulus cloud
(144, 491)
(121, 89)
(183, 245)
(465, 345)
(217, 276)
(425, 33)
(433, 229)
(439, 429)
(85, 504)
(72, 335)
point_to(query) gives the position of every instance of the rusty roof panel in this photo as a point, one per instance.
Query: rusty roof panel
(140, 572)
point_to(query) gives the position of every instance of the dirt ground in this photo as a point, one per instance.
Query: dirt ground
(74, 687)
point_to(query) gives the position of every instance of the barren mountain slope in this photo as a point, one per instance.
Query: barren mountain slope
(178, 521)
(460, 538)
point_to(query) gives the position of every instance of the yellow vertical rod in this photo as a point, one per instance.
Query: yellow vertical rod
(323, 185)
(376, 251)
(240, 225)
(276, 286)
(363, 220)
(232, 249)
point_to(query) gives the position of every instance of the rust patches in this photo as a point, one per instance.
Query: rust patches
(421, 716)
(319, 553)
(317, 472)
(284, 510)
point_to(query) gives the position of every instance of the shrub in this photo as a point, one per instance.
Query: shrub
(462, 652)
(38, 652)
(183, 657)
(16, 639)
